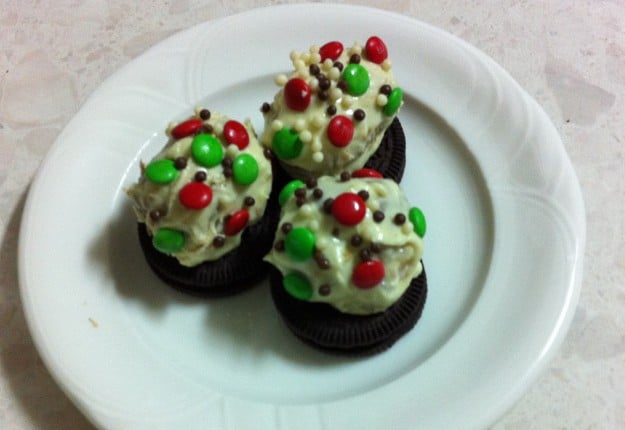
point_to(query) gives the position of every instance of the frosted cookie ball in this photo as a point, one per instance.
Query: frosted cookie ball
(332, 111)
(200, 196)
(347, 255)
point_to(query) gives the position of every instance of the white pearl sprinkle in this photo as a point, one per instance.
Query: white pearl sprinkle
(334, 73)
(305, 136)
(299, 64)
(276, 125)
(347, 101)
(386, 65)
(327, 64)
(306, 57)
(355, 49)
(314, 225)
(300, 124)
(317, 121)
(294, 55)
(316, 146)
(313, 84)
(335, 94)
(407, 227)
(317, 157)
(314, 48)
(232, 150)
(306, 209)
(281, 80)
(381, 100)
(315, 57)
(218, 129)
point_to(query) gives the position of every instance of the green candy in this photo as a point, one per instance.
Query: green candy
(168, 240)
(394, 102)
(161, 171)
(245, 169)
(357, 79)
(286, 144)
(207, 150)
(417, 219)
(298, 286)
(299, 244)
(289, 190)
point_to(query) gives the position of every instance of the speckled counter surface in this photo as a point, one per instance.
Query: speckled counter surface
(568, 54)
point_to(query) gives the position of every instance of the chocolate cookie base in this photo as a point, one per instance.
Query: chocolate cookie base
(324, 327)
(239, 269)
(390, 157)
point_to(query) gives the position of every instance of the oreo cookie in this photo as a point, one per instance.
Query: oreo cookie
(326, 328)
(390, 157)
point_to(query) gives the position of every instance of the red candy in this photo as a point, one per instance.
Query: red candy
(297, 94)
(366, 173)
(236, 134)
(340, 131)
(186, 128)
(349, 209)
(195, 195)
(331, 50)
(236, 222)
(376, 50)
(368, 274)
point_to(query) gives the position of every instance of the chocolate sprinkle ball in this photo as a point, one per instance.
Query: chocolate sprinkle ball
(324, 327)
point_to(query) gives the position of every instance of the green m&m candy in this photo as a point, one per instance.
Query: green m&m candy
(289, 190)
(245, 169)
(168, 240)
(394, 102)
(357, 79)
(161, 171)
(299, 244)
(207, 150)
(417, 219)
(286, 144)
(298, 286)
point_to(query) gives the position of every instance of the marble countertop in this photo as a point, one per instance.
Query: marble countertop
(568, 54)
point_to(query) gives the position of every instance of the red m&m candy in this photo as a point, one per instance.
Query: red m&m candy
(186, 128)
(331, 50)
(366, 173)
(375, 49)
(368, 274)
(236, 222)
(195, 195)
(349, 209)
(340, 131)
(297, 94)
(236, 134)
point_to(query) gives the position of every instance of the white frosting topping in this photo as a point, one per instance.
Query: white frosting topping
(390, 241)
(319, 156)
(160, 206)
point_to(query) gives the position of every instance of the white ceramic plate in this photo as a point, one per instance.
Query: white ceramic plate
(503, 251)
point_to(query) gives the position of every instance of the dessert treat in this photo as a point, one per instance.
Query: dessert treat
(348, 274)
(204, 206)
(331, 113)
